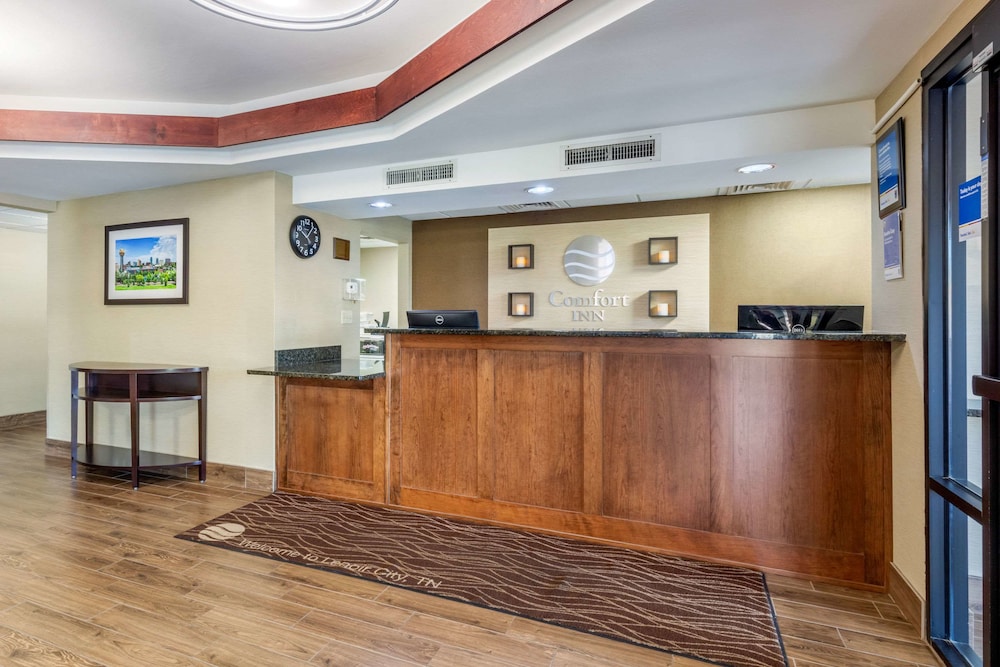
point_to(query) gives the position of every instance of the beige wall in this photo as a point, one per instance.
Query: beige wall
(785, 247)
(23, 266)
(308, 299)
(898, 305)
(249, 295)
(399, 231)
(227, 325)
(380, 268)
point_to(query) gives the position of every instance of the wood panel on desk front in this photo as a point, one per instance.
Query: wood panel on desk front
(537, 436)
(440, 425)
(331, 437)
(657, 438)
(773, 454)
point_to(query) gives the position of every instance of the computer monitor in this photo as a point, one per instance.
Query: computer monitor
(442, 319)
(800, 319)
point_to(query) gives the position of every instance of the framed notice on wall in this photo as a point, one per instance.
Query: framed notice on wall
(889, 162)
(892, 247)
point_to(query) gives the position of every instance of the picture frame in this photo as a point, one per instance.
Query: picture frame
(342, 249)
(889, 165)
(146, 263)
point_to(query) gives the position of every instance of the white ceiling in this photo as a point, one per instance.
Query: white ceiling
(722, 82)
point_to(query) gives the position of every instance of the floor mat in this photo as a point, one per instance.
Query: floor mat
(706, 611)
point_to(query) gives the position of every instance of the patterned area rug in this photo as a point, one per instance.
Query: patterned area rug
(710, 612)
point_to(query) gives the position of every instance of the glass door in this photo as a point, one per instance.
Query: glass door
(963, 421)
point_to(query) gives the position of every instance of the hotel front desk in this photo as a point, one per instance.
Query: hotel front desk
(771, 450)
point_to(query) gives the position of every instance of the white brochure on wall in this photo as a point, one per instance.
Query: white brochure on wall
(892, 247)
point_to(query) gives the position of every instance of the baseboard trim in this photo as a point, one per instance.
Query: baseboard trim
(23, 419)
(218, 474)
(910, 602)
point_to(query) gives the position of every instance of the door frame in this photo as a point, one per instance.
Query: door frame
(940, 73)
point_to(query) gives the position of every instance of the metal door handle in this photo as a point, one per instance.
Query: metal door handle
(986, 387)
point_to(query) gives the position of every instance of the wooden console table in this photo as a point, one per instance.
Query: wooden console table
(134, 384)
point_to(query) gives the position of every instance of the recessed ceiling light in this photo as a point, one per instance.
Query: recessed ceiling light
(299, 14)
(756, 168)
(380, 204)
(540, 189)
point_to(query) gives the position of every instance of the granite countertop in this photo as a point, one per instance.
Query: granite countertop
(871, 336)
(320, 363)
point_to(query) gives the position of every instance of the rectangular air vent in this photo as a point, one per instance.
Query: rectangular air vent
(777, 186)
(634, 149)
(428, 173)
(534, 206)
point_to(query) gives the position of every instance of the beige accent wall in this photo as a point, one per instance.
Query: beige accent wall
(23, 266)
(249, 295)
(227, 325)
(621, 301)
(399, 231)
(379, 268)
(308, 299)
(898, 305)
(804, 246)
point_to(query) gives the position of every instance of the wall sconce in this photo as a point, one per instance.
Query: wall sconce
(663, 250)
(521, 256)
(520, 304)
(663, 303)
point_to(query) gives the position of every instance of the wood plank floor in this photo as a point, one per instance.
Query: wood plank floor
(90, 574)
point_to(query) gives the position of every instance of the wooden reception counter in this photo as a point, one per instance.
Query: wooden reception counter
(771, 450)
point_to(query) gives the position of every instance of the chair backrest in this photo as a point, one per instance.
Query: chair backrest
(385, 319)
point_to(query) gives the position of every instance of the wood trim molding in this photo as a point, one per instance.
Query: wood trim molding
(490, 26)
(323, 113)
(108, 128)
(22, 419)
(910, 602)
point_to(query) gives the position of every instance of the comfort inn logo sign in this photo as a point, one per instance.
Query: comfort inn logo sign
(589, 260)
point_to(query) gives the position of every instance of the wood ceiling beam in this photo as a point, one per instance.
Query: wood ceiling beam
(490, 26)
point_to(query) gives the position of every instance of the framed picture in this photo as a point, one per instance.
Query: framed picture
(889, 161)
(146, 262)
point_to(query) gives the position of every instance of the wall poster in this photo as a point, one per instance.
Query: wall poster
(889, 162)
(146, 262)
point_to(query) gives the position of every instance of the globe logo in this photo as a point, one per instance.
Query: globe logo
(589, 260)
(221, 532)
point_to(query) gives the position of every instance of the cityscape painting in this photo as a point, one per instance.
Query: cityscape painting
(146, 262)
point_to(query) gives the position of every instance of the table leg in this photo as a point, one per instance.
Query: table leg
(202, 427)
(73, 419)
(133, 393)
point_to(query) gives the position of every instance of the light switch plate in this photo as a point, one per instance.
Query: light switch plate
(346, 317)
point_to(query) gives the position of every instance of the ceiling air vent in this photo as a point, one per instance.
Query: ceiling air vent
(634, 149)
(428, 173)
(777, 186)
(534, 206)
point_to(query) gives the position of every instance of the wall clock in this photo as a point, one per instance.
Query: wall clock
(304, 236)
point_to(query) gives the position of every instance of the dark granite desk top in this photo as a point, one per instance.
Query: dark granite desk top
(319, 363)
(324, 363)
(345, 369)
(661, 333)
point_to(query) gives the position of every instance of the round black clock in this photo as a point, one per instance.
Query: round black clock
(304, 236)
